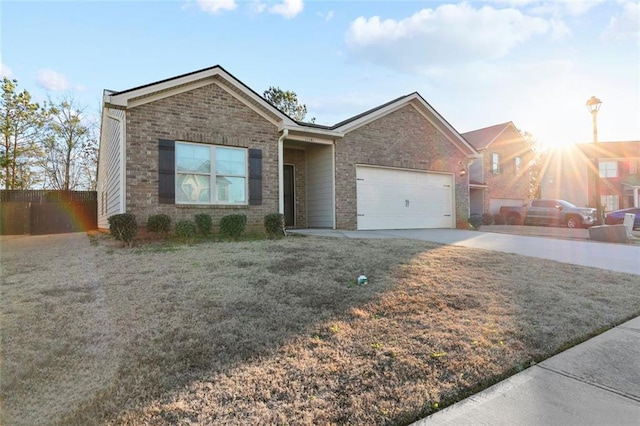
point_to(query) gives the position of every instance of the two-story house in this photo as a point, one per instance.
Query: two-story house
(500, 177)
(571, 174)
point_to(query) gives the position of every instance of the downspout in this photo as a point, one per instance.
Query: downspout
(281, 139)
(123, 161)
(469, 163)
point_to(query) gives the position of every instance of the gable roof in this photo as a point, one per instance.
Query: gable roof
(150, 92)
(482, 138)
(168, 87)
(428, 112)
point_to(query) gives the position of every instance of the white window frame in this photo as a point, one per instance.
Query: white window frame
(518, 165)
(608, 169)
(610, 202)
(495, 163)
(213, 174)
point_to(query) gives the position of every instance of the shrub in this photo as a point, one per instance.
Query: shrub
(159, 223)
(498, 219)
(514, 219)
(233, 225)
(475, 220)
(123, 227)
(274, 225)
(487, 219)
(186, 229)
(204, 223)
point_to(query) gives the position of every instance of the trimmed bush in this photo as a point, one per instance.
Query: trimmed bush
(487, 219)
(274, 225)
(160, 223)
(186, 229)
(475, 220)
(233, 225)
(204, 223)
(123, 227)
(498, 219)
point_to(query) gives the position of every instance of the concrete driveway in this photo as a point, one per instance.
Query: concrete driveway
(613, 257)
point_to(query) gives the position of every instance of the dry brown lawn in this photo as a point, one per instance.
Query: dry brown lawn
(268, 332)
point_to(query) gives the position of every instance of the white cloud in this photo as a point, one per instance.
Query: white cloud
(288, 8)
(257, 6)
(54, 81)
(625, 25)
(216, 6)
(326, 16)
(5, 71)
(450, 34)
(559, 9)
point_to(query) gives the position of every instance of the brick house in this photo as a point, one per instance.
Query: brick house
(571, 172)
(500, 177)
(204, 142)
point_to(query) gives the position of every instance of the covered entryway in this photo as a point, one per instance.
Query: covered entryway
(389, 198)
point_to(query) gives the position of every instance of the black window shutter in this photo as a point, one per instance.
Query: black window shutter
(255, 177)
(166, 171)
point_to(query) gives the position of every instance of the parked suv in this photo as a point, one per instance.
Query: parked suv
(551, 212)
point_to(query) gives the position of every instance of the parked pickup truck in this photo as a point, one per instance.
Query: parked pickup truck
(550, 212)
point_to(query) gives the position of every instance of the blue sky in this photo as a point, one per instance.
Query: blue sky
(478, 63)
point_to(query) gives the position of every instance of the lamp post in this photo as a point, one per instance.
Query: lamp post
(593, 105)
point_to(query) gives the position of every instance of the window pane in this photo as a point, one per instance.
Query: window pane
(193, 189)
(193, 158)
(231, 161)
(230, 189)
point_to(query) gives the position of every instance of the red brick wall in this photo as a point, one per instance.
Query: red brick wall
(403, 139)
(208, 115)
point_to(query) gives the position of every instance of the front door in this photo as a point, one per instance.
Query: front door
(289, 196)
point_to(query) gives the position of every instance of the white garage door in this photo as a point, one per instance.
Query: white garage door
(403, 199)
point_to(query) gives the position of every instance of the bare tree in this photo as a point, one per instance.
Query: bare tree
(69, 146)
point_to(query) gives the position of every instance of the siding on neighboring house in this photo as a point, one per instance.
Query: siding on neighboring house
(508, 186)
(208, 115)
(402, 139)
(571, 172)
(110, 190)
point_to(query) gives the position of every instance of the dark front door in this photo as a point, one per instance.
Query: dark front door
(289, 196)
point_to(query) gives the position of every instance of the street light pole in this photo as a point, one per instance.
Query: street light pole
(593, 105)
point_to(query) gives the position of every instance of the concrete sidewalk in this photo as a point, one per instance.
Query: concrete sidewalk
(613, 257)
(594, 383)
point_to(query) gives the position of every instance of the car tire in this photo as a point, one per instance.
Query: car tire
(573, 222)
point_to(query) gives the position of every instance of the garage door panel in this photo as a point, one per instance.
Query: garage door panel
(403, 199)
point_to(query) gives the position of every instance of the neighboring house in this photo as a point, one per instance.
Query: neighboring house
(571, 172)
(204, 142)
(500, 177)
